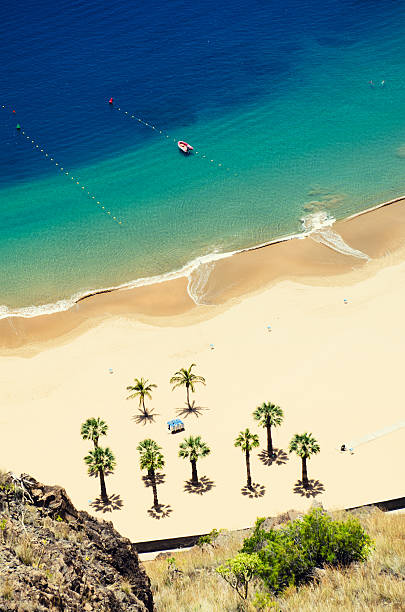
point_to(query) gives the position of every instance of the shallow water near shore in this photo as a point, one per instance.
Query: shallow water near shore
(280, 97)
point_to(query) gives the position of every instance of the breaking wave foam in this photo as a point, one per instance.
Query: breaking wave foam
(318, 227)
(315, 225)
(194, 288)
(197, 282)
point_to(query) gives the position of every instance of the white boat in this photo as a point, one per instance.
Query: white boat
(184, 146)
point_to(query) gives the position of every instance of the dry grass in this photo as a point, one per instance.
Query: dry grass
(3, 477)
(7, 589)
(25, 551)
(29, 551)
(61, 530)
(196, 586)
(373, 586)
(126, 587)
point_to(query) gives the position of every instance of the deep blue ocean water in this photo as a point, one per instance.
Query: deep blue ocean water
(279, 93)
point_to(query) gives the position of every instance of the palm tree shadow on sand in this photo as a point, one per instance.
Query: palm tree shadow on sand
(192, 409)
(279, 457)
(256, 490)
(145, 417)
(159, 478)
(160, 511)
(204, 485)
(313, 488)
(114, 502)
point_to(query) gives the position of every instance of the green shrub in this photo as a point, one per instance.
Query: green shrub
(258, 538)
(289, 556)
(209, 538)
(263, 602)
(240, 571)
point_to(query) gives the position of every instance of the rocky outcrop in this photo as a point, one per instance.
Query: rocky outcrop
(54, 557)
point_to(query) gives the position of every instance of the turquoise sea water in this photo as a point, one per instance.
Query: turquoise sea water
(284, 102)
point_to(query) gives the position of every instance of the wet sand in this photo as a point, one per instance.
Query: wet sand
(335, 367)
(332, 360)
(380, 233)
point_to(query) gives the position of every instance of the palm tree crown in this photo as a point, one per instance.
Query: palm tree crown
(186, 378)
(93, 428)
(142, 388)
(100, 460)
(193, 448)
(269, 415)
(304, 445)
(151, 459)
(247, 440)
(147, 445)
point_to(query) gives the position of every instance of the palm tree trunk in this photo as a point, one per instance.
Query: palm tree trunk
(304, 472)
(143, 404)
(188, 396)
(249, 478)
(104, 495)
(194, 475)
(154, 489)
(269, 442)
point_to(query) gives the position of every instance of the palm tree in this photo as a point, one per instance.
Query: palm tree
(92, 429)
(193, 448)
(151, 459)
(247, 441)
(147, 445)
(100, 461)
(269, 415)
(141, 389)
(186, 378)
(304, 445)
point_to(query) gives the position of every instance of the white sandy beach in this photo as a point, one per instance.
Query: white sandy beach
(336, 369)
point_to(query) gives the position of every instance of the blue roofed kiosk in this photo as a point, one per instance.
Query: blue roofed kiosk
(175, 425)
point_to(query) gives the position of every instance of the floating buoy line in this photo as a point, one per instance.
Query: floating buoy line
(167, 136)
(36, 146)
(76, 180)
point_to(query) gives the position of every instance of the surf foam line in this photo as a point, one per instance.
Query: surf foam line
(319, 226)
(376, 207)
(29, 312)
(195, 286)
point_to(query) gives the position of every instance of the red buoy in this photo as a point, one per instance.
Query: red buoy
(111, 100)
(13, 111)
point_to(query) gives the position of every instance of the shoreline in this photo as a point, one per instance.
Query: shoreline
(223, 277)
(27, 312)
(184, 271)
(325, 362)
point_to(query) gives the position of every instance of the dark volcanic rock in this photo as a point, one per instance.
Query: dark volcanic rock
(54, 557)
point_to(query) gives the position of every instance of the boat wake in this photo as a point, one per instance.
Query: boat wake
(318, 227)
